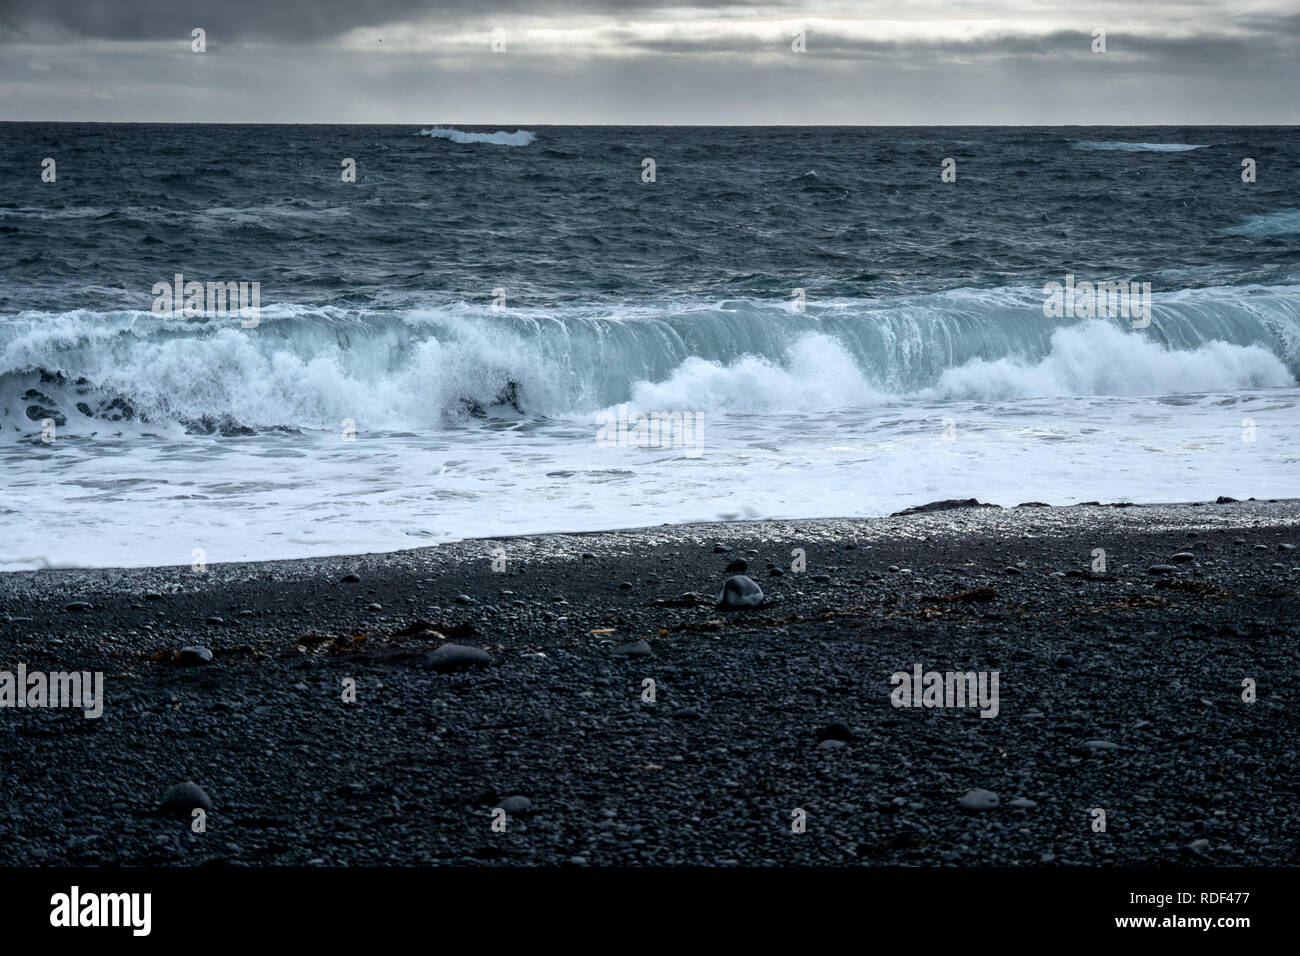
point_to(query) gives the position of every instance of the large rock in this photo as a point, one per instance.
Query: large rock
(948, 504)
(739, 593)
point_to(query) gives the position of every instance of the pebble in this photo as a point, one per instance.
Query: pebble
(835, 731)
(633, 649)
(194, 655)
(1161, 569)
(978, 800)
(1182, 556)
(78, 607)
(516, 804)
(738, 566)
(1022, 803)
(739, 593)
(350, 578)
(454, 656)
(464, 599)
(183, 798)
(1101, 745)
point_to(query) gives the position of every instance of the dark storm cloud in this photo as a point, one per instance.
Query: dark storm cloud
(278, 21)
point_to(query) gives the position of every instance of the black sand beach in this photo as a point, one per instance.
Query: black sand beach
(1120, 690)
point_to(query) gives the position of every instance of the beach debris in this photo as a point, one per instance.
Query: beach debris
(739, 593)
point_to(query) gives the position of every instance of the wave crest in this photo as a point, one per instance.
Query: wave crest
(520, 137)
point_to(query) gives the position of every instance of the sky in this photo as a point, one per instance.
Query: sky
(516, 63)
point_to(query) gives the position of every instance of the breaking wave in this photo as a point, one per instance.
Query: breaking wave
(311, 367)
(519, 137)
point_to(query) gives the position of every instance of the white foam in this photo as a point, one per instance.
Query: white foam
(1096, 358)
(519, 137)
(1284, 222)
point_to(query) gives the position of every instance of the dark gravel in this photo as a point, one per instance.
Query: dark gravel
(1119, 690)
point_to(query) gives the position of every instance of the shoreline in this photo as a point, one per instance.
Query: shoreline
(757, 712)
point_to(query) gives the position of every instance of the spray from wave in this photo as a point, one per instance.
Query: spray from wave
(519, 137)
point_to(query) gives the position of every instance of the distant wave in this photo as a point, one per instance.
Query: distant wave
(1284, 222)
(519, 137)
(1139, 147)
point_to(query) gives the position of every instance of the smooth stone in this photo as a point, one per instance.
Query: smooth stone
(978, 800)
(194, 655)
(738, 566)
(350, 578)
(739, 593)
(183, 798)
(1022, 803)
(454, 656)
(1101, 745)
(516, 804)
(1182, 556)
(1161, 569)
(78, 607)
(633, 649)
(835, 731)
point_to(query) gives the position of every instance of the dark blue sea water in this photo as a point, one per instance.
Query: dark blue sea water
(437, 341)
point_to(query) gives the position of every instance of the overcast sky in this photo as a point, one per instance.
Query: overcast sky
(652, 61)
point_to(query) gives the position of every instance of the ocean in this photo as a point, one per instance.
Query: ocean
(495, 331)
